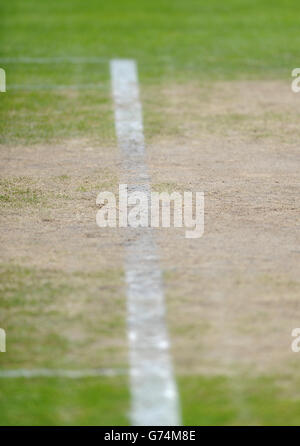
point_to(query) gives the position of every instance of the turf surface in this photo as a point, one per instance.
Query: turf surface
(171, 41)
(238, 401)
(191, 38)
(174, 40)
(65, 402)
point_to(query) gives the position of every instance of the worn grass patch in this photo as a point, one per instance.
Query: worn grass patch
(58, 319)
(21, 191)
(171, 41)
(26, 191)
(256, 111)
(50, 116)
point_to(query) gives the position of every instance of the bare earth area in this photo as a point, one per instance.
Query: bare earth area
(61, 276)
(233, 295)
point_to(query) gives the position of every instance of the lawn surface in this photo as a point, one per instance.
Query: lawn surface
(192, 38)
(64, 402)
(62, 288)
(238, 401)
(171, 41)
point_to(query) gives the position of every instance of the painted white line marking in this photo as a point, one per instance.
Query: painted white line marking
(60, 373)
(154, 392)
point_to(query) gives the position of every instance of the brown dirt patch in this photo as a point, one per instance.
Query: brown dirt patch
(51, 244)
(233, 295)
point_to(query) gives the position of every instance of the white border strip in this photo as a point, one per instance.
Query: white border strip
(60, 373)
(154, 392)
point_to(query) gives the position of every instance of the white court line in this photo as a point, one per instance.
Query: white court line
(153, 388)
(60, 373)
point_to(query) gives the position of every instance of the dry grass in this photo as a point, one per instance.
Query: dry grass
(233, 295)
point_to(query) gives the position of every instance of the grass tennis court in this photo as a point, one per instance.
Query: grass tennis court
(219, 117)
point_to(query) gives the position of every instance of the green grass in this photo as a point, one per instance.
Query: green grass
(44, 329)
(44, 116)
(59, 402)
(239, 401)
(213, 401)
(194, 38)
(61, 320)
(171, 40)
